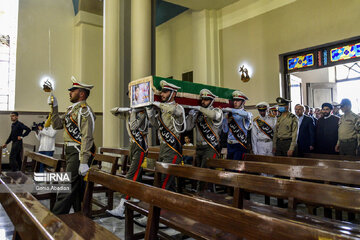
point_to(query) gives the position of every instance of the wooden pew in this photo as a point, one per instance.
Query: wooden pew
(331, 156)
(325, 174)
(118, 151)
(113, 160)
(198, 218)
(51, 162)
(30, 218)
(295, 191)
(303, 161)
(27, 147)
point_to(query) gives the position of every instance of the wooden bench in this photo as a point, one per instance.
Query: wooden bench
(119, 152)
(113, 160)
(293, 190)
(30, 218)
(198, 218)
(327, 175)
(303, 161)
(27, 147)
(51, 162)
(331, 156)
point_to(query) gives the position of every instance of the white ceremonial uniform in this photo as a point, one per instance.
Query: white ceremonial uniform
(262, 144)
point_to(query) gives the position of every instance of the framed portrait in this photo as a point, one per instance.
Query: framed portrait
(141, 92)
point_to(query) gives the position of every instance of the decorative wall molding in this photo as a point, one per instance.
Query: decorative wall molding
(88, 18)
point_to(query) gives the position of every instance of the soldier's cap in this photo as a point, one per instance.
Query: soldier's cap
(168, 86)
(345, 102)
(262, 106)
(206, 93)
(76, 84)
(329, 105)
(273, 108)
(282, 101)
(238, 95)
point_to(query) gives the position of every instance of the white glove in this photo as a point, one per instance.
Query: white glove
(227, 110)
(119, 110)
(193, 112)
(156, 104)
(54, 103)
(83, 169)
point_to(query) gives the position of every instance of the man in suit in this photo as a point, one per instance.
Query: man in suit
(306, 131)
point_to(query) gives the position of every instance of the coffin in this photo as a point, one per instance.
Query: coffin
(146, 90)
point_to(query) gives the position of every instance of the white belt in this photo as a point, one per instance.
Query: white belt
(71, 144)
(232, 141)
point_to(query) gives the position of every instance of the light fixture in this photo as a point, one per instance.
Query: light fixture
(244, 74)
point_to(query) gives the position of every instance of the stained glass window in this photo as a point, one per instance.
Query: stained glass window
(300, 61)
(345, 52)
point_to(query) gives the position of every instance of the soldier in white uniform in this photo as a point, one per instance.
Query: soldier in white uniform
(262, 132)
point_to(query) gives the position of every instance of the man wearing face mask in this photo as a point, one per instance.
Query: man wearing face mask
(262, 132)
(285, 135)
(326, 134)
(237, 123)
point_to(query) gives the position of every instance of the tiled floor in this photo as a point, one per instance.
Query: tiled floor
(116, 225)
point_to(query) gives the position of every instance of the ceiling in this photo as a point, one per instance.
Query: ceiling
(165, 9)
(203, 4)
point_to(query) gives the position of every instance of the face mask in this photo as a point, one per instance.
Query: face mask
(282, 109)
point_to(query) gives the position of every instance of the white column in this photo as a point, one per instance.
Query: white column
(206, 47)
(112, 126)
(140, 39)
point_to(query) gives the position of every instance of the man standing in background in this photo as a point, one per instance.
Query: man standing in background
(326, 135)
(16, 136)
(349, 126)
(286, 128)
(46, 137)
(306, 132)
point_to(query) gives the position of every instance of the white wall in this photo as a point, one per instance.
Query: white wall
(174, 52)
(36, 17)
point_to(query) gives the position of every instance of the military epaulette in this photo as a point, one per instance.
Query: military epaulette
(83, 105)
(293, 115)
(256, 118)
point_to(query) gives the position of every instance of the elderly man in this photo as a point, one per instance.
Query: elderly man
(237, 123)
(326, 134)
(285, 135)
(262, 132)
(79, 124)
(306, 132)
(349, 130)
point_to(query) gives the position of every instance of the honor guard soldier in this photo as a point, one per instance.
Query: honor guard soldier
(237, 123)
(137, 127)
(349, 130)
(169, 118)
(207, 121)
(79, 124)
(262, 132)
(285, 135)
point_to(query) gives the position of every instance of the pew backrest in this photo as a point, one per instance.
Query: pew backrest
(241, 223)
(331, 156)
(303, 161)
(40, 158)
(326, 174)
(30, 218)
(341, 197)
